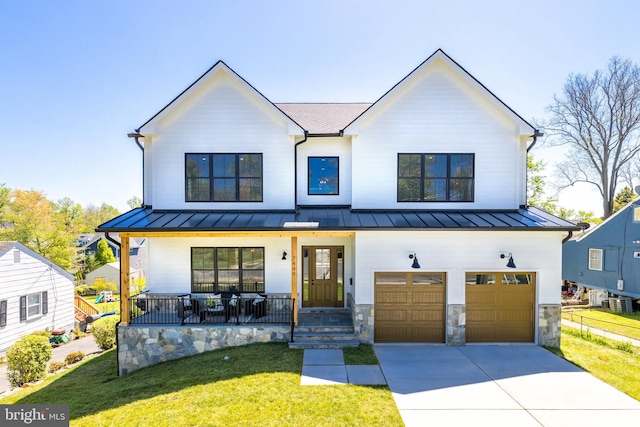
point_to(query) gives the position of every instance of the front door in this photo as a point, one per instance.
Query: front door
(322, 276)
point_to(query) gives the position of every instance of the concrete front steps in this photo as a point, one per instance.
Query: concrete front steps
(324, 328)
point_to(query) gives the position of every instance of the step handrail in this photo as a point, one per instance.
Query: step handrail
(85, 306)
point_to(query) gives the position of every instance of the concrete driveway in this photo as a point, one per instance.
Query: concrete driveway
(498, 385)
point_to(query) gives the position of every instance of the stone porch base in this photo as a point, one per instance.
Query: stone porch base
(140, 346)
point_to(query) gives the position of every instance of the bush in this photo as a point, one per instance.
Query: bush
(56, 366)
(27, 359)
(104, 332)
(74, 357)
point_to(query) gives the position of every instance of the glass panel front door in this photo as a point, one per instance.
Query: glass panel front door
(322, 276)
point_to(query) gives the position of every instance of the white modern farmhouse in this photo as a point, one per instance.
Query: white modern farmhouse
(409, 212)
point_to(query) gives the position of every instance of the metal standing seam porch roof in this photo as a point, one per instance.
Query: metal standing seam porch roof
(332, 218)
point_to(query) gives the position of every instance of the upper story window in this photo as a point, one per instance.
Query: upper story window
(223, 177)
(323, 175)
(595, 259)
(435, 177)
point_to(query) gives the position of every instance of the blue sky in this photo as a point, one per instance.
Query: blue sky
(77, 76)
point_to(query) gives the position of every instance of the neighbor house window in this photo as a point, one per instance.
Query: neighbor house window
(223, 177)
(3, 313)
(33, 305)
(323, 175)
(595, 259)
(227, 269)
(435, 177)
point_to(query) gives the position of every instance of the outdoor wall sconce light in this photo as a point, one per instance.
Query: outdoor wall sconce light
(414, 257)
(510, 264)
(284, 255)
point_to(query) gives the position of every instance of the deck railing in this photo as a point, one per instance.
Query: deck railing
(83, 308)
(186, 309)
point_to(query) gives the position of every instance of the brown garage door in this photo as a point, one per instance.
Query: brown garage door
(409, 307)
(500, 307)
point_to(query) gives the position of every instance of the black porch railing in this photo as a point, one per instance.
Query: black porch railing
(186, 309)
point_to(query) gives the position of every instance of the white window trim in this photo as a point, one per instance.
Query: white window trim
(39, 313)
(595, 259)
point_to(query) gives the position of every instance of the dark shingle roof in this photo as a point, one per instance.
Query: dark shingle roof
(330, 218)
(323, 118)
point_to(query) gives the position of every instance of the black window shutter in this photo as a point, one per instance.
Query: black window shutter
(45, 302)
(23, 307)
(3, 313)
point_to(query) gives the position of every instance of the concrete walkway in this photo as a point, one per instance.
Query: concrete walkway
(601, 333)
(498, 385)
(326, 367)
(87, 345)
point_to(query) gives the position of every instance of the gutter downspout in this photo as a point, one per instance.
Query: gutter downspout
(136, 135)
(536, 134)
(295, 169)
(566, 239)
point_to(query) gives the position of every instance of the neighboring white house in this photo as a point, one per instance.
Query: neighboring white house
(411, 211)
(110, 272)
(35, 294)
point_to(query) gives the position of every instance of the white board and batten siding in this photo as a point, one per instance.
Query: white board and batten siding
(440, 112)
(23, 272)
(170, 267)
(459, 252)
(221, 117)
(325, 147)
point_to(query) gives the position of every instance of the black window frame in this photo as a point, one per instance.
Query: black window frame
(447, 179)
(216, 269)
(213, 176)
(337, 191)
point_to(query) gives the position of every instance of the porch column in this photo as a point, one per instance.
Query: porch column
(124, 280)
(294, 276)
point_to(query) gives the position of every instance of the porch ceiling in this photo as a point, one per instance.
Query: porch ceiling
(330, 219)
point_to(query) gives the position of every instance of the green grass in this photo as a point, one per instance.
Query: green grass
(361, 355)
(104, 307)
(259, 385)
(626, 324)
(615, 363)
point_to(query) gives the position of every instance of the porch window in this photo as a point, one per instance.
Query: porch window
(223, 177)
(323, 175)
(435, 177)
(227, 270)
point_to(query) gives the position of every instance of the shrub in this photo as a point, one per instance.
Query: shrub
(74, 357)
(56, 366)
(27, 359)
(104, 332)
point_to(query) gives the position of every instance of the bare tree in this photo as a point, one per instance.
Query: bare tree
(598, 118)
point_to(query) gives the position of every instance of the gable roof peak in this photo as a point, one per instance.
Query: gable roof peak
(219, 65)
(441, 54)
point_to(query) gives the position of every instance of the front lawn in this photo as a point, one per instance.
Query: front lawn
(615, 363)
(258, 385)
(626, 324)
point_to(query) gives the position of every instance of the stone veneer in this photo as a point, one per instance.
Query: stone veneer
(549, 317)
(144, 346)
(456, 321)
(362, 316)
